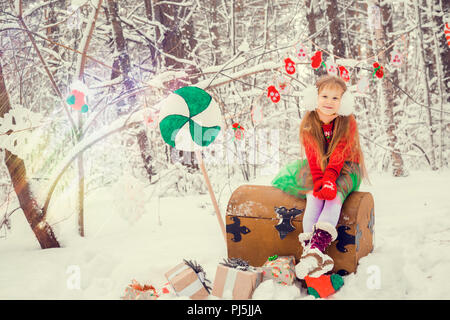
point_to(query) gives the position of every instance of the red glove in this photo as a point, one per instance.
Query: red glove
(329, 188)
(328, 191)
(317, 185)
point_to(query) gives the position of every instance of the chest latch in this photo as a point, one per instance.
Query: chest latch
(284, 226)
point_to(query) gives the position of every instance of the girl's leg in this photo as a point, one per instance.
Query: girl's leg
(314, 261)
(331, 211)
(312, 212)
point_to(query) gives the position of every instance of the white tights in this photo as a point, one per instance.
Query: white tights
(318, 210)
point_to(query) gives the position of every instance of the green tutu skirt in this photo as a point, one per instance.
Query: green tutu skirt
(295, 179)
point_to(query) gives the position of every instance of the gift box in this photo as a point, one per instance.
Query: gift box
(280, 269)
(188, 279)
(165, 290)
(235, 279)
(135, 291)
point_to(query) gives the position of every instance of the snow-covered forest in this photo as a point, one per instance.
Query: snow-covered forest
(101, 178)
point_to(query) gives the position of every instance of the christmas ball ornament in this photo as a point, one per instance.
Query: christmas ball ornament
(343, 72)
(189, 119)
(289, 66)
(273, 94)
(77, 97)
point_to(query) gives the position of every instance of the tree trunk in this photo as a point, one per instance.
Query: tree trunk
(17, 171)
(312, 16)
(152, 47)
(388, 89)
(444, 7)
(217, 59)
(426, 84)
(90, 27)
(124, 65)
(178, 41)
(335, 29)
(124, 58)
(53, 31)
(441, 49)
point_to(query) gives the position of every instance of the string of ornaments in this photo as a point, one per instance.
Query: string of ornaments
(282, 85)
(274, 92)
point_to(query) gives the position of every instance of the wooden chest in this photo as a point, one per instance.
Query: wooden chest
(252, 233)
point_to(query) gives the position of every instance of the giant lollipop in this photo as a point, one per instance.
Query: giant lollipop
(189, 120)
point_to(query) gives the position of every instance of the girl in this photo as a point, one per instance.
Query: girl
(333, 168)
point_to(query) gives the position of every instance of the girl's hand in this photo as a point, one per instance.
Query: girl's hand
(328, 191)
(318, 185)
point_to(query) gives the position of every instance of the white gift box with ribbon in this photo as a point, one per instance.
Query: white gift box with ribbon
(231, 283)
(186, 282)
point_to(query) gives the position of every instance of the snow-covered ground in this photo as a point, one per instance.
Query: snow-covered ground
(411, 258)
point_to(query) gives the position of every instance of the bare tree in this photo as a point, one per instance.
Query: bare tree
(124, 65)
(426, 66)
(389, 93)
(17, 171)
(177, 43)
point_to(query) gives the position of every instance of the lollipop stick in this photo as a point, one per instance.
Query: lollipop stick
(211, 192)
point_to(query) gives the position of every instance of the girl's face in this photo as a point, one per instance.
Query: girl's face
(329, 100)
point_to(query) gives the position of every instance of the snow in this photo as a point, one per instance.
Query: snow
(410, 259)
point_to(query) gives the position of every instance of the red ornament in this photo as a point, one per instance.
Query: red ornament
(238, 131)
(316, 60)
(378, 70)
(344, 73)
(447, 33)
(290, 66)
(273, 94)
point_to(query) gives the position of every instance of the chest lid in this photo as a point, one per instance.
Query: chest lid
(264, 202)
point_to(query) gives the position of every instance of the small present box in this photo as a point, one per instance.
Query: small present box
(280, 269)
(189, 280)
(165, 290)
(136, 291)
(236, 283)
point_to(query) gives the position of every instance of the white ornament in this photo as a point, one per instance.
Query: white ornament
(363, 85)
(396, 58)
(374, 17)
(332, 67)
(20, 124)
(257, 113)
(283, 85)
(301, 53)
